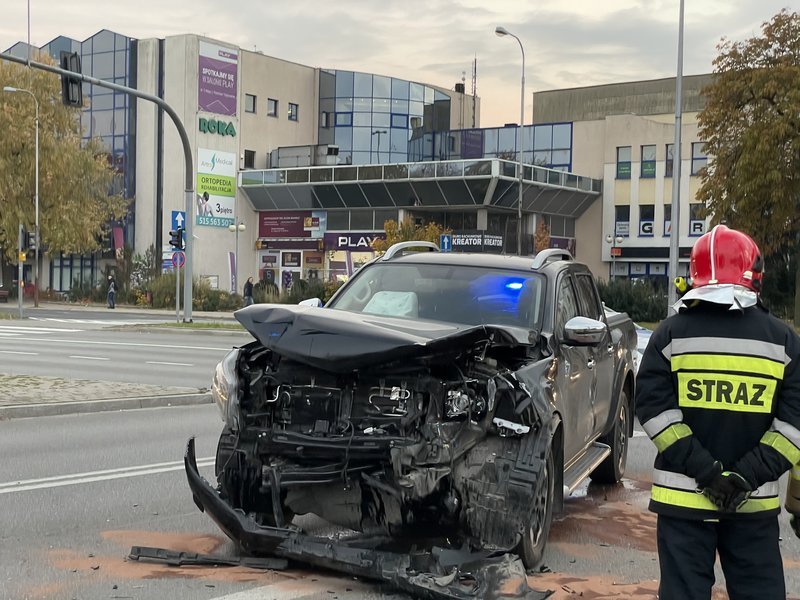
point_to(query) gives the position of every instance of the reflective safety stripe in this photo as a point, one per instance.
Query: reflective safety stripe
(781, 444)
(796, 472)
(698, 501)
(788, 431)
(684, 482)
(728, 362)
(655, 425)
(723, 391)
(719, 345)
(670, 435)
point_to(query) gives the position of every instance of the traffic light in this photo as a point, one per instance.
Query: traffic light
(176, 238)
(30, 240)
(71, 87)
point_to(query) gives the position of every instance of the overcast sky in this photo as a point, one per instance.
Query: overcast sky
(567, 44)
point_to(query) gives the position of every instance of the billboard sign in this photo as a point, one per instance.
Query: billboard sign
(293, 224)
(217, 73)
(216, 188)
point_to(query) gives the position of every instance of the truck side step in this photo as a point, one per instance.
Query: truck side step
(580, 469)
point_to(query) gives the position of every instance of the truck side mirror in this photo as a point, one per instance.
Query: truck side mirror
(583, 331)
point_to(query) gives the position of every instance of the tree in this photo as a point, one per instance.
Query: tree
(751, 126)
(541, 240)
(406, 231)
(74, 180)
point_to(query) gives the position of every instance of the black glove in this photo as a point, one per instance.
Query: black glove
(727, 490)
(794, 521)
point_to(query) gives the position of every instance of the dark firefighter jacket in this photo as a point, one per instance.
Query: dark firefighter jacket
(719, 384)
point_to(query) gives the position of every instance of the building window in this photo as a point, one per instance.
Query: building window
(293, 112)
(667, 219)
(668, 163)
(325, 119)
(648, 162)
(272, 107)
(400, 121)
(249, 103)
(249, 159)
(647, 214)
(623, 162)
(697, 219)
(699, 158)
(622, 220)
(344, 119)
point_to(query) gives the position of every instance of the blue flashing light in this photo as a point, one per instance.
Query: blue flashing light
(514, 285)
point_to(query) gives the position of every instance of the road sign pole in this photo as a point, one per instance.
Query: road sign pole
(20, 282)
(177, 294)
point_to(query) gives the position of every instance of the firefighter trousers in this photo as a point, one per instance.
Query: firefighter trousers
(748, 551)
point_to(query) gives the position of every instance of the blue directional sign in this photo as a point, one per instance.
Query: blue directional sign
(446, 242)
(178, 219)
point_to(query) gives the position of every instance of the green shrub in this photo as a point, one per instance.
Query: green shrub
(641, 298)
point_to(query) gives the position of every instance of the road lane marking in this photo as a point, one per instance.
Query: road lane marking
(173, 364)
(88, 357)
(18, 352)
(92, 476)
(133, 344)
(24, 329)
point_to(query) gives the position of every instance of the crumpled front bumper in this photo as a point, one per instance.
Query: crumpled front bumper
(435, 574)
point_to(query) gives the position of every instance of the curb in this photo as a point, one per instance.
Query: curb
(20, 411)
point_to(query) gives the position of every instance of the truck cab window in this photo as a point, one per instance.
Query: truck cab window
(567, 304)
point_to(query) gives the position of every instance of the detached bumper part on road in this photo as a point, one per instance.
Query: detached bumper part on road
(437, 574)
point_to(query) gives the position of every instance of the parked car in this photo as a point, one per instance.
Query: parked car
(455, 394)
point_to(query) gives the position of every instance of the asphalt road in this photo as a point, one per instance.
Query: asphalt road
(77, 491)
(74, 349)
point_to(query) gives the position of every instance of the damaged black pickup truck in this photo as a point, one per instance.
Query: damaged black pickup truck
(456, 396)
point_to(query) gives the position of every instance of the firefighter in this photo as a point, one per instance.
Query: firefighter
(718, 393)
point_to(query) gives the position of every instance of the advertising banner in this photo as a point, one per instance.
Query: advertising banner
(217, 72)
(293, 224)
(358, 241)
(216, 188)
(477, 241)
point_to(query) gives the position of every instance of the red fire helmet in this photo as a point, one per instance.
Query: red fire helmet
(726, 256)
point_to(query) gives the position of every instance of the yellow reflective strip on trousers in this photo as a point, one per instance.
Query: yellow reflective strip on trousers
(781, 444)
(722, 391)
(670, 435)
(698, 501)
(725, 362)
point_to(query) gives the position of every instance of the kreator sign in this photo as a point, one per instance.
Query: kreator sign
(353, 241)
(476, 241)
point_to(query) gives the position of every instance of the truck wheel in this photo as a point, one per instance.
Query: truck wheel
(534, 537)
(612, 468)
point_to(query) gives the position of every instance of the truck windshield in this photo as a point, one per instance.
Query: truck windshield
(448, 293)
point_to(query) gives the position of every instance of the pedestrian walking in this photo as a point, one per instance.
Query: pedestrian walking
(112, 292)
(718, 393)
(247, 292)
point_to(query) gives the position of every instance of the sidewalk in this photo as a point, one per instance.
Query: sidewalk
(29, 396)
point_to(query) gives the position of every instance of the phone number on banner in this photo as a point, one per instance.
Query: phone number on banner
(213, 221)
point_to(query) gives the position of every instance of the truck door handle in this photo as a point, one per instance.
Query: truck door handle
(591, 363)
(610, 348)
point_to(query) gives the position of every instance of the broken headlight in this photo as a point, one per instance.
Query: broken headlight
(225, 389)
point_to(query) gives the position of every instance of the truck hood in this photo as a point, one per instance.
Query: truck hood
(339, 341)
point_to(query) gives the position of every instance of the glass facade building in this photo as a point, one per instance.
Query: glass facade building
(108, 117)
(548, 145)
(371, 118)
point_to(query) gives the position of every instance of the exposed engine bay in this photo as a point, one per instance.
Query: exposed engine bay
(448, 428)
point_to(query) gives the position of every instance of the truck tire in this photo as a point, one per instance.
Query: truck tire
(497, 513)
(612, 469)
(534, 538)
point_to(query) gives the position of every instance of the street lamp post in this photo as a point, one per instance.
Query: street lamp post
(379, 133)
(502, 31)
(8, 88)
(236, 229)
(615, 241)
